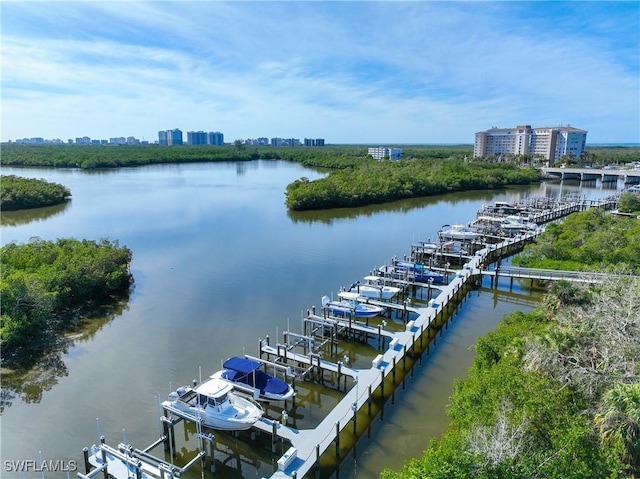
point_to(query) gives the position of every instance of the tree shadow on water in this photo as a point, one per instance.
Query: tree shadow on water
(34, 369)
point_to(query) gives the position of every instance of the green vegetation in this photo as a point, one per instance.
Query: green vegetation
(551, 394)
(22, 193)
(369, 182)
(590, 241)
(94, 156)
(46, 286)
(629, 203)
(90, 157)
(608, 155)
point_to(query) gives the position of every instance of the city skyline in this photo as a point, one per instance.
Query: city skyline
(351, 72)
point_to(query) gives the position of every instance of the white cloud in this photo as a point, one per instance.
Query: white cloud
(348, 72)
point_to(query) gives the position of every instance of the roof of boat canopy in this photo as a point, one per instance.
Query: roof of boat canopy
(242, 365)
(214, 387)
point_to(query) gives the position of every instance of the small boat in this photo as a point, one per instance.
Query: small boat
(246, 373)
(488, 225)
(411, 272)
(503, 208)
(516, 224)
(428, 248)
(215, 403)
(350, 304)
(374, 288)
(458, 232)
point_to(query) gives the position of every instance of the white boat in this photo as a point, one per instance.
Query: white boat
(409, 271)
(458, 232)
(247, 375)
(488, 225)
(351, 304)
(517, 224)
(374, 288)
(214, 402)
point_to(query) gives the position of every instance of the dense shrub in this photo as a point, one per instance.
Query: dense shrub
(18, 193)
(588, 241)
(46, 285)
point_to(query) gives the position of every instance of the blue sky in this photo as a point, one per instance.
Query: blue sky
(348, 72)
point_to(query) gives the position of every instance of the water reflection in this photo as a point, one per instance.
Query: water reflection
(400, 206)
(21, 217)
(39, 368)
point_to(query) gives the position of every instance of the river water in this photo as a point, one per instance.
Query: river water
(219, 264)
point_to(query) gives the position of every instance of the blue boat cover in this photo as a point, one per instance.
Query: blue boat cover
(242, 365)
(246, 371)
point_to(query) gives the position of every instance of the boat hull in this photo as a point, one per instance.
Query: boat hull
(384, 293)
(232, 420)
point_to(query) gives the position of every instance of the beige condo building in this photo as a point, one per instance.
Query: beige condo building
(551, 143)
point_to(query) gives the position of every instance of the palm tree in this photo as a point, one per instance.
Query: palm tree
(619, 421)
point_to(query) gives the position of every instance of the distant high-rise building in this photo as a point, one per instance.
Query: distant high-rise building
(549, 142)
(174, 137)
(215, 138)
(162, 138)
(196, 138)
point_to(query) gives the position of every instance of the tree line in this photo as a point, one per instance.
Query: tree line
(370, 182)
(17, 193)
(554, 393)
(589, 241)
(48, 285)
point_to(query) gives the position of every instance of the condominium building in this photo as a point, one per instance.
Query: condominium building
(381, 152)
(170, 137)
(196, 138)
(551, 143)
(215, 138)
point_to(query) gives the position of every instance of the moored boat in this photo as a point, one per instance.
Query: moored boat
(406, 270)
(458, 232)
(249, 376)
(351, 304)
(215, 403)
(374, 288)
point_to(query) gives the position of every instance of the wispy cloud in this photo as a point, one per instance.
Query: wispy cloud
(345, 71)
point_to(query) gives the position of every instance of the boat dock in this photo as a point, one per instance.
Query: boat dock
(367, 389)
(308, 445)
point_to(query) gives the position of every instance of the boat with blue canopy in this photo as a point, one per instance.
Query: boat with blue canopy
(249, 375)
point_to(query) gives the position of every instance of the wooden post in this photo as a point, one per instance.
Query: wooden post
(274, 435)
(338, 439)
(393, 371)
(355, 415)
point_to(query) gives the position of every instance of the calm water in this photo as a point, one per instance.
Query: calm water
(218, 264)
